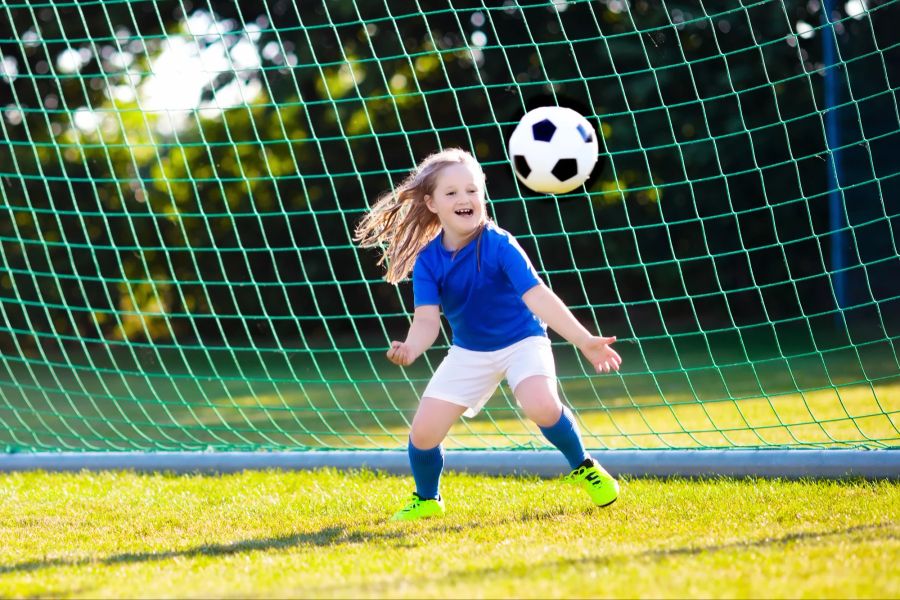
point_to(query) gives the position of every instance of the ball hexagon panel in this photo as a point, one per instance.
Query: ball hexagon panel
(586, 133)
(521, 165)
(543, 130)
(565, 169)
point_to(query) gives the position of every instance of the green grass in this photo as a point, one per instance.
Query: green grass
(326, 534)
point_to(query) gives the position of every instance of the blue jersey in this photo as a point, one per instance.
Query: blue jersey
(479, 289)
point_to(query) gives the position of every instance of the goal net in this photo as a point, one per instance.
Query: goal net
(179, 183)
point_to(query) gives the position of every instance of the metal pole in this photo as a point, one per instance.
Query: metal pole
(833, 140)
(789, 464)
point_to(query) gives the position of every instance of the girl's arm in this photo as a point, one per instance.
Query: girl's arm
(423, 332)
(550, 309)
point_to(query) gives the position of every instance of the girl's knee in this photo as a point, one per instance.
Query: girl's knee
(432, 422)
(423, 438)
(538, 394)
(545, 413)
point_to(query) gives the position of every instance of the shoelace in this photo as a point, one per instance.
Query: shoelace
(413, 502)
(575, 474)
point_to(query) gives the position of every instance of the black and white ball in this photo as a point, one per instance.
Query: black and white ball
(553, 149)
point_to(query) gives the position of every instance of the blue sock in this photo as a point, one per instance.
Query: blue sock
(565, 436)
(426, 469)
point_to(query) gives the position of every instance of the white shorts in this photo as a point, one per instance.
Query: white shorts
(468, 378)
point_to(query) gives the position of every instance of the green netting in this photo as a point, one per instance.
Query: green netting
(180, 181)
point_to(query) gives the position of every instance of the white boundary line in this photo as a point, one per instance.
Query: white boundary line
(788, 464)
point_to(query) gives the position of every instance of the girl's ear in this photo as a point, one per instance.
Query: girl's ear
(429, 203)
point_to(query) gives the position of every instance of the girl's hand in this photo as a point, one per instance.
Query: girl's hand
(598, 350)
(400, 354)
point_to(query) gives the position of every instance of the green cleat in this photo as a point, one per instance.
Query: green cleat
(417, 508)
(600, 485)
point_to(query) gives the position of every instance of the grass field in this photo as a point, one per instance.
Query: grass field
(326, 534)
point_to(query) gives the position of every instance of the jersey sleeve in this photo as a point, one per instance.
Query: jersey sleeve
(517, 266)
(425, 286)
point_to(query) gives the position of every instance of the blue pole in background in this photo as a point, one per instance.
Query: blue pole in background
(833, 140)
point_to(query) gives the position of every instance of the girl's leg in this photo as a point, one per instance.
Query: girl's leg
(433, 420)
(539, 400)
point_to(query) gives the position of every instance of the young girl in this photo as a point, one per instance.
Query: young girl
(434, 223)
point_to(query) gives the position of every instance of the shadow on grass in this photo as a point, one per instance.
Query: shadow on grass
(328, 536)
(484, 574)
(324, 537)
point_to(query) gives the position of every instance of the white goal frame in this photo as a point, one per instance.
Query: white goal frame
(787, 464)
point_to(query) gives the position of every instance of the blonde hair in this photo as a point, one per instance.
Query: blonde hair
(400, 223)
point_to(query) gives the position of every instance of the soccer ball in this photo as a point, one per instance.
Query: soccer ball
(553, 149)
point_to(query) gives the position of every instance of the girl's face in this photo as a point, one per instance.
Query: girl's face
(458, 201)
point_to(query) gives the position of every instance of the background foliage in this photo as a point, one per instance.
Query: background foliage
(223, 212)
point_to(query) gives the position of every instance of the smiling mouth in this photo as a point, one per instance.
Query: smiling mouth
(466, 212)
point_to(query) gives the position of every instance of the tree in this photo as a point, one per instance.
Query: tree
(176, 170)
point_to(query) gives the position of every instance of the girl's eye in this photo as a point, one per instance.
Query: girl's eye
(450, 193)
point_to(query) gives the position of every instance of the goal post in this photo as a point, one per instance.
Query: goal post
(180, 180)
(783, 464)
